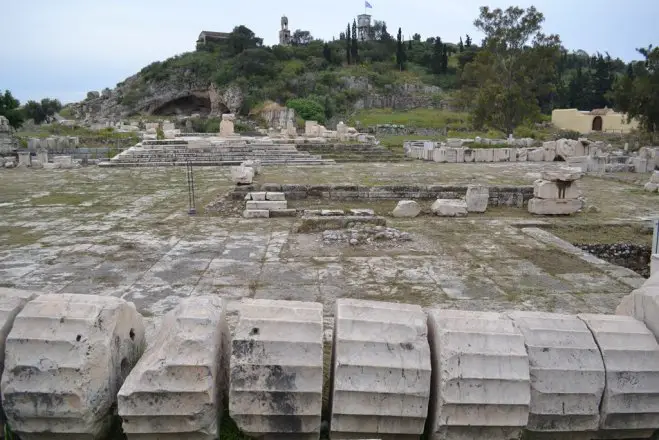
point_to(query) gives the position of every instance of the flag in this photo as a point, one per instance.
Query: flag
(367, 5)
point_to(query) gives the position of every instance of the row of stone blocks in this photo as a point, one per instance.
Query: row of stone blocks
(395, 370)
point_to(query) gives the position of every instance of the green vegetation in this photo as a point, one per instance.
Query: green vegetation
(637, 93)
(421, 118)
(229, 430)
(87, 137)
(307, 109)
(9, 109)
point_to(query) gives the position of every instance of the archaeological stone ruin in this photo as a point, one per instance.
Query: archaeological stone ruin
(387, 370)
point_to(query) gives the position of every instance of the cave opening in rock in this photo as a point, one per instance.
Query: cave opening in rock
(185, 106)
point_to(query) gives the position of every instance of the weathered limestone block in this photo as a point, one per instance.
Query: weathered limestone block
(565, 174)
(549, 155)
(184, 370)
(258, 196)
(406, 208)
(546, 189)
(484, 155)
(66, 358)
(24, 159)
(267, 204)
(481, 374)
(566, 370)
(477, 198)
(12, 301)
(459, 155)
(226, 125)
(469, 155)
(522, 154)
(554, 206)
(655, 177)
(242, 175)
(256, 213)
(277, 369)
(381, 370)
(449, 208)
(438, 155)
(651, 187)
(535, 155)
(275, 196)
(255, 164)
(630, 406)
(361, 212)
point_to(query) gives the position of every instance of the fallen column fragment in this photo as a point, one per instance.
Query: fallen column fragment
(66, 358)
(176, 389)
(381, 365)
(277, 369)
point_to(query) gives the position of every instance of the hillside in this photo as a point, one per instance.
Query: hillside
(342, 76)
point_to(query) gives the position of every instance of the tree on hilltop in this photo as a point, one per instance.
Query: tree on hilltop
(504, 82)
(9, 109)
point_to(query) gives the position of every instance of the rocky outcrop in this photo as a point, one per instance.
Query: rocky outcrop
(139, 95)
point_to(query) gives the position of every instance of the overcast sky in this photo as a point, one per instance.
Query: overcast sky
(62, 49)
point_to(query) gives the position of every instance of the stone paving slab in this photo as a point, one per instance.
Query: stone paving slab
(126, 233)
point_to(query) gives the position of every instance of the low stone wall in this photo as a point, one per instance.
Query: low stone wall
(504, 195)
(632, 256)
(395, 370)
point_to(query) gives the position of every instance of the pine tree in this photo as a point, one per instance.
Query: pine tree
(461, 46)
(468, 41)
(354, 49)
(400, 50)
(348, 46)
(436, 58)
(327, 53)
(445, 53)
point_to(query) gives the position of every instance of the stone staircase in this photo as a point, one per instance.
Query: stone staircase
(204, 152)
(353, 152)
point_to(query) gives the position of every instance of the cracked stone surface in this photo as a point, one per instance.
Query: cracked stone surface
(126, 233)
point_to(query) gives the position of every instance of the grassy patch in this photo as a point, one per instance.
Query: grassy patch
(554, 261)
(602, 234)
(421, 118)
(229, 430)
(60, 199)
(19, 236)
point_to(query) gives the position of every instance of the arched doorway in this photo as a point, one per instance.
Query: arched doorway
(597, 123)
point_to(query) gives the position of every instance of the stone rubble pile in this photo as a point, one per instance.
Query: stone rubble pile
(365, 234)
(396, 371)
(557, 193)
(267, 204)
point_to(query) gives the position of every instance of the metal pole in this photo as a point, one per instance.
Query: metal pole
(191, 198)
(655, 238)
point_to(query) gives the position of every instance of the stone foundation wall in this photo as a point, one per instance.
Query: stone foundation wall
(632, 256)
(393, 371)
(516, 196)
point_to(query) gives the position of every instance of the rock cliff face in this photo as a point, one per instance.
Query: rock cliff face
(184, 92)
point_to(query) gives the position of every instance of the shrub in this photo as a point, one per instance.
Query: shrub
(567, 134)
(524, 132)
(160, 135)
(307, 109)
